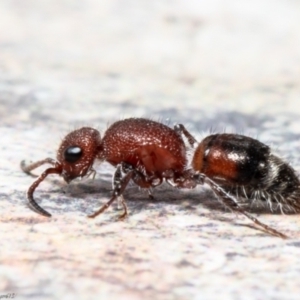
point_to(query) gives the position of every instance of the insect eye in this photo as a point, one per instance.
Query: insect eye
(72, 154)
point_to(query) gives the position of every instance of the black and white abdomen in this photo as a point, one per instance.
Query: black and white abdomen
(247, 169)
(276, 183)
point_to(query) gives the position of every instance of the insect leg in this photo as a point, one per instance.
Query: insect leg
(230, 202)
(119, 185)
(181, 130)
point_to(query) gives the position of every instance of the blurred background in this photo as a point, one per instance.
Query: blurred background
(220, 65)
(129, 57)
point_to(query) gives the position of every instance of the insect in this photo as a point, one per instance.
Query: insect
(148, 153)
(145, 151)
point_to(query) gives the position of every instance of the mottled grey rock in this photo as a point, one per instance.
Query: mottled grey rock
(213, 65)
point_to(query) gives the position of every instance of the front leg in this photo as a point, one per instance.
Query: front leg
(125, 168)
(91, 173)
(119, 185)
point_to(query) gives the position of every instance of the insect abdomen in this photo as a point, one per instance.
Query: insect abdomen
(232, 159)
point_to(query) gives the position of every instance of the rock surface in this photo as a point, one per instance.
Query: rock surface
(212, 65)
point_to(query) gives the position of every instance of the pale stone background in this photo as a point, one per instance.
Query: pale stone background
(229, 65)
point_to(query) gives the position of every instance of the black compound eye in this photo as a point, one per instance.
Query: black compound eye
(72, 154)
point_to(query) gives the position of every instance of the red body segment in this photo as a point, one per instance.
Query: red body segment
(217, 163)
(86, 141)
(150, 147)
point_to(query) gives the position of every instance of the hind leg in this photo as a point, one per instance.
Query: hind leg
(231, 203)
